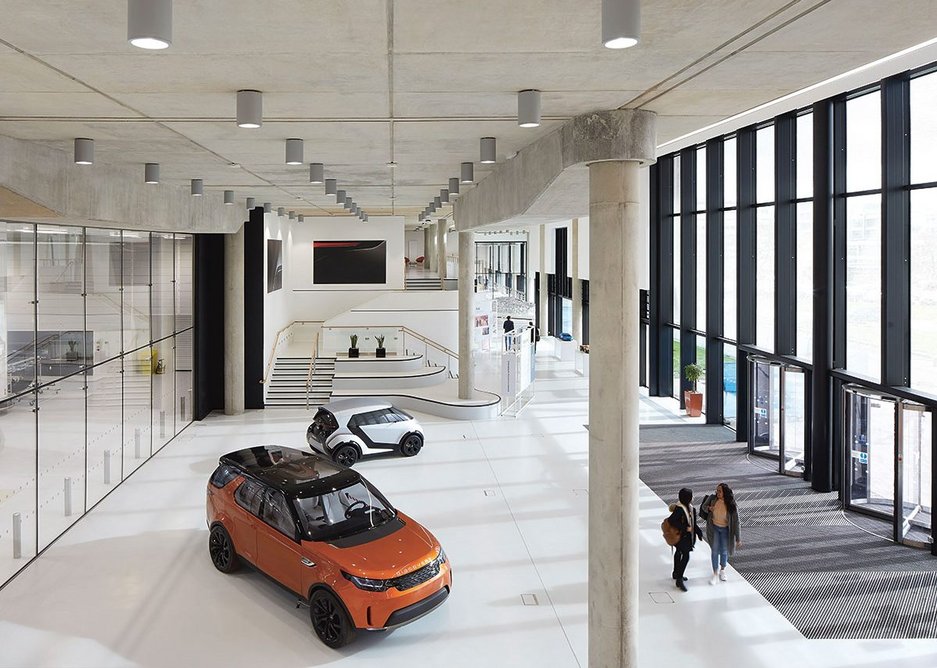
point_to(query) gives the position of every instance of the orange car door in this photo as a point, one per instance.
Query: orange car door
(248, 498)
(280, 556)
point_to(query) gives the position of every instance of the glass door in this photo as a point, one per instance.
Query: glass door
(870, 434)
(779, 414)
(914, 485)
(765, 437)
(794, 426)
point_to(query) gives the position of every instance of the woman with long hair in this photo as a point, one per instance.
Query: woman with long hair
(722, 529)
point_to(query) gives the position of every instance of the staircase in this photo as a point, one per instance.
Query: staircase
(288, 382)
(424, 283)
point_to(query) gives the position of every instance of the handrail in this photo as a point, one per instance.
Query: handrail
(312, 366)
(276, 344)
(403, 328)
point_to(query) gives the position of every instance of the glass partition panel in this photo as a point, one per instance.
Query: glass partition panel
(61, 456)
(764, 164)
(924, 290)
(805, 280)
(729, 378)
(730, 269)
(701, 178)
(103, 302)
(864, 142)
(923, 129)
(183, 379)
(870, 421)
(17, 311)
(916, 457)
(183, 278)
(677, 291)
(18, 461)
(138, 368)
(795, 420)
(164, 389)
(730, 171)
(105, 422)
(63, 348)
(677, 388)
(136, 289)
(701, 272)
(764, 263)
(766, 408)
(676, 184)
(804, 164)
(162, 304)
(864, 285)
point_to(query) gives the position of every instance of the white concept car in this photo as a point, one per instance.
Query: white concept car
(349, 428)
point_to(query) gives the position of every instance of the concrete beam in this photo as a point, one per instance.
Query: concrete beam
(514, 188)
(43, 185)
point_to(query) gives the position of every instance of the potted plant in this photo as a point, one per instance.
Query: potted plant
(381, 351)
(353, 351)
(692, 399)
(72, 354)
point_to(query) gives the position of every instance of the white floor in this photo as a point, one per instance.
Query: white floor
(132, 584)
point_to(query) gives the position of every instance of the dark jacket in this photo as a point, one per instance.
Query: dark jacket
(735, 532)
(678, 519)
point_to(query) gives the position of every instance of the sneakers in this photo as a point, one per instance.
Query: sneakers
(722, 575)
(714, 579)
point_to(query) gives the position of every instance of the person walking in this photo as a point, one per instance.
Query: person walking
(508, 328)
(722, 529)
(683, 516)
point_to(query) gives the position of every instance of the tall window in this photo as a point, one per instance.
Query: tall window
(730, 238)
(764, 252)
(804, 240)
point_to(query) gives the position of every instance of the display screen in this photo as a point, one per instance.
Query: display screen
(345, 262)
(274, 265)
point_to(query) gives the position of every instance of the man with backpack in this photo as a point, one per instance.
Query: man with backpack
(681, 531)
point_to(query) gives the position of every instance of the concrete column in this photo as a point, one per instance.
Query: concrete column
(442, 226)
(466, 314)
(234, 323)
(427, 232)
(577, 286)
(431, 258)
(614, 250)
(542, 306)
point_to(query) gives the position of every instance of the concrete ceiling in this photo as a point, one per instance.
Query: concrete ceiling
(366, 82)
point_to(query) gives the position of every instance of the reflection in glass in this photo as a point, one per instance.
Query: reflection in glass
(805, 280)
(566, 308)
(924, 290)
(63, 348)
(676, 363)
(162, 304)
(870, 440)
(138, 369)
(729, 268)
(864, 142)
(61, 456)
(917, 453)
(136, 294)
(105, 419)
(804, 164)
(17, 312)
(729, 376)
(795, 420)
(103, 302)
(183, 262)
(923, 129)
(164, 390)
(701, 271)
(730, 172)
(766, 402)
(764, 165)
(183, 379)
(701, 362)
(18, 480)
(764, 259)
(863, 285)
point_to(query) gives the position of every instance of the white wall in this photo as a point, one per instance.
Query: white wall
(414, 238)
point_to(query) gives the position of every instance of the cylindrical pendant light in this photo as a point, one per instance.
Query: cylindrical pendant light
(301, 218)
(250, 109)
(348, 202)
(198, 188)
(437, 202)
(84, 151)
(229, 197)
(340, 197)
(292, 215)
(151, 172)
(444, 195)
(149, 23)
(365, 217)
(316, 172)
(528, 108)
(281, 211)
(489, 151)
(621, 23)
(268, 207)
(420, 217)
(453, 186)
(468, 172)
(354, 208)
(330, 186)
(432, 207)
(251, 203)
(294, 151)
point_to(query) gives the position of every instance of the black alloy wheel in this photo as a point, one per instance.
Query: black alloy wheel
(346, 455)
(411, 445)
(329, 620)
(221, 550)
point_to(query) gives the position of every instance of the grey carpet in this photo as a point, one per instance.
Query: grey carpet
(830, 578)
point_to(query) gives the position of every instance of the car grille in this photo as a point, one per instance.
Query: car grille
(417, 577)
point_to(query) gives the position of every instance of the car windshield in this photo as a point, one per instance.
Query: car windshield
(343, 512)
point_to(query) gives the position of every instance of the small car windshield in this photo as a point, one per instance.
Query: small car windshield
(343, 512)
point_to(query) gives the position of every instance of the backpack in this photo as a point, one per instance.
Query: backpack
(671, 533)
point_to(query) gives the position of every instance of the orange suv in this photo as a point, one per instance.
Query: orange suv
(324, 532)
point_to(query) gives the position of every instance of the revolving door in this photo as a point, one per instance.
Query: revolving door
(778, 425)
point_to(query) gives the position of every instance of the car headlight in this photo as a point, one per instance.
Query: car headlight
(366, 583)
(441, 557)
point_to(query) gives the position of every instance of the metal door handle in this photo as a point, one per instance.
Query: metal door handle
(306, 562)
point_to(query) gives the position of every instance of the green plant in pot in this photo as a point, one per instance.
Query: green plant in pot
(381, 351)
(353, 351)
(692, 399)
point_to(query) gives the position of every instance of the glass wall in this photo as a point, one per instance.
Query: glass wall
(92, 383)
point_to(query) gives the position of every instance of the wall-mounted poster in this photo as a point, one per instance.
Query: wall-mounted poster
(274, 265)
(344, 262)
